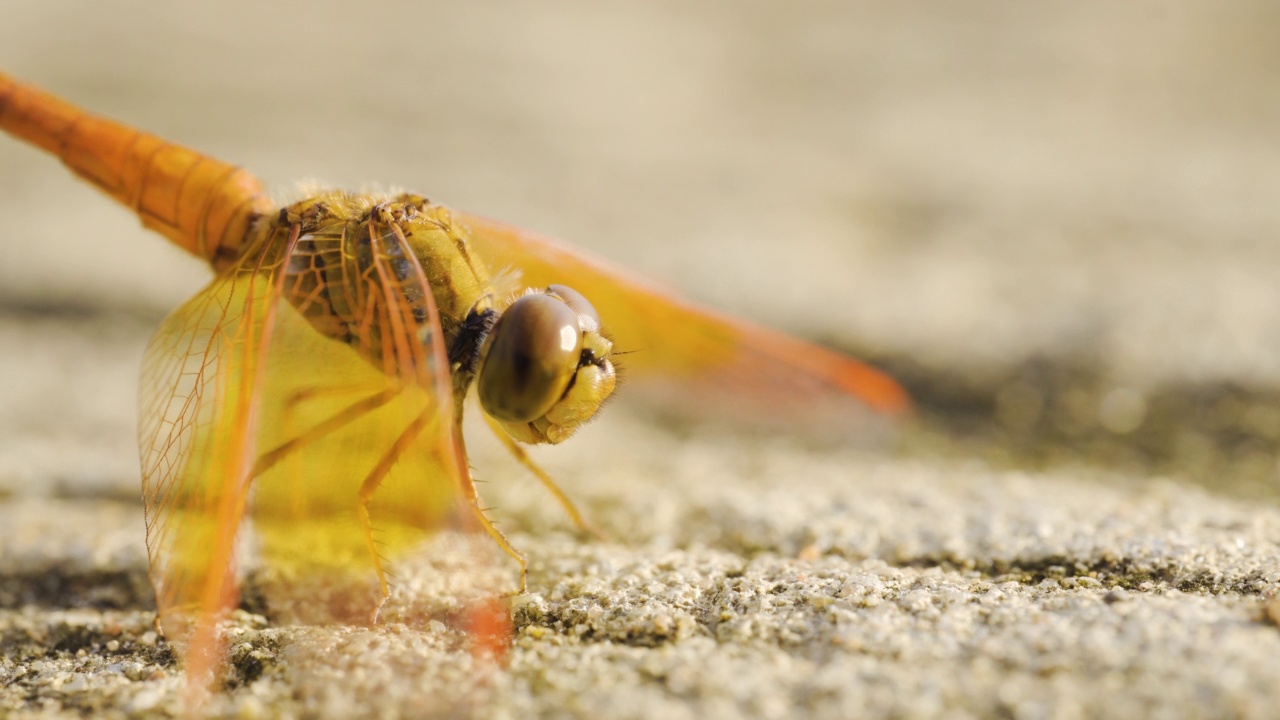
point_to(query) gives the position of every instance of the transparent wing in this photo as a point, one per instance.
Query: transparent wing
(332, 429)
(197, 430)
(359, 459)
(705, 352)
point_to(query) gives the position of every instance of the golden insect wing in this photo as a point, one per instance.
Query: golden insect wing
(344, 453)
(706, 354)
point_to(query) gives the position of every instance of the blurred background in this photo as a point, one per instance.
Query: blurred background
(1057, 224)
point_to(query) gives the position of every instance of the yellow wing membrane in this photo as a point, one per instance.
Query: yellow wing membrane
(706, 352)
(342, 449)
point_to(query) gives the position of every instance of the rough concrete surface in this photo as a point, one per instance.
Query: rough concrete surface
(1055, 222)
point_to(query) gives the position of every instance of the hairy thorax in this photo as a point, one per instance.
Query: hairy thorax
(350, 276)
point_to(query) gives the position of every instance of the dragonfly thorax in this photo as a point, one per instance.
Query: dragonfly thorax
(370, 273)
(365, 272)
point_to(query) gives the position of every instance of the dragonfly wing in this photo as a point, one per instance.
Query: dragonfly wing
(359, 459)
(703, 351)
(198, 406)
(340, 444)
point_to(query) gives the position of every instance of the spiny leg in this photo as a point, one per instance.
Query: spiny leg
(370, 485)
(306, 394)
(468, 486)
(523, 458)
(465, 483)
(335, 422)
(289, 411)
(269, 459)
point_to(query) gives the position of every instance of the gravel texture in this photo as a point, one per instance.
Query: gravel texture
(1056, 224)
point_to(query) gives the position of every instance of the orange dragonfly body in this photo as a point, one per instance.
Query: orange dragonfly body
(317, 385)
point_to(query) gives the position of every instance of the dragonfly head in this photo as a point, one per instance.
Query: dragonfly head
(545, 367)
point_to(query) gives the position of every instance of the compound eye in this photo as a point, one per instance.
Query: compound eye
(532, 355)
(575, 300)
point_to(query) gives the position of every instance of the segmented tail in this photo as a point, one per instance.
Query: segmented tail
(202, 205)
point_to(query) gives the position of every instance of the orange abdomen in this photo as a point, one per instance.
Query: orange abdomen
(203, 205)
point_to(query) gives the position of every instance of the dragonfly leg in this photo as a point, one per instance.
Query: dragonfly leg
(499, 538)
(365, 405)
(523, 458)
(289, 412)
(468, 486)
(306, 394)
(370, 485)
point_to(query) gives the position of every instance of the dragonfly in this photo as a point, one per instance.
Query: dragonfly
(315, 389)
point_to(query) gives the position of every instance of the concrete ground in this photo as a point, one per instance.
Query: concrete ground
(1055, 224)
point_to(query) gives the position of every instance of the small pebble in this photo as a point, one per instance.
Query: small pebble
(1115, 595)
(1272, 611)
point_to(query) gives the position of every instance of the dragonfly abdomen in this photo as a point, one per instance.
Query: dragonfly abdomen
(202, 205)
